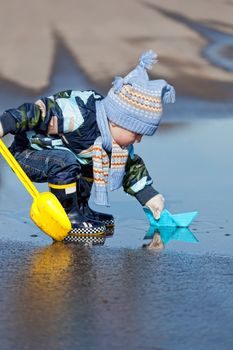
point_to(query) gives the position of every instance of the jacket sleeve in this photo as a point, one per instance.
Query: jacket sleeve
(62, 112)
(29, 116)
(137, 181)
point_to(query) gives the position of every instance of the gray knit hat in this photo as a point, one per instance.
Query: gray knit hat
(135, 102)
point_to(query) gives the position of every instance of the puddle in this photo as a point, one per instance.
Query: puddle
(191, 166)
(63, 297)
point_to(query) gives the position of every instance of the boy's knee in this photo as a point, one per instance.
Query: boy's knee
(69, 159)
(64, 167)
(62, 159)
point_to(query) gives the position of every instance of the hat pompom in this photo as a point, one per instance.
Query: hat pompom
(169, 94)
(147, 59)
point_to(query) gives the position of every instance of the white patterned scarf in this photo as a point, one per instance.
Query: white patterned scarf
(103, 176)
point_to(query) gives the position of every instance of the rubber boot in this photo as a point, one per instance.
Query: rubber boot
(84, 193)
(84, 230)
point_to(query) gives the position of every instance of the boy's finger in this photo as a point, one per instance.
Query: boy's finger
(157, 214)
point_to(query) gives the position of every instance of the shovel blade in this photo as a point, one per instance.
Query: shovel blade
(49, 215)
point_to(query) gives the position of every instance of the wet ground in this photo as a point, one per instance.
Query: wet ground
(121, 295)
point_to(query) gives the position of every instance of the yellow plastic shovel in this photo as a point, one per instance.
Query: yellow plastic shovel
(46, 211)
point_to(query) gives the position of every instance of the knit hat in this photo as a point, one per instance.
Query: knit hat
(135, 102)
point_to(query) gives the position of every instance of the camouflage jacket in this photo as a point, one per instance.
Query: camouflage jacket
(70, 116)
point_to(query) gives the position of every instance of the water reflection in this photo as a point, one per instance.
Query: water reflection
(41, 305)
(162, 236)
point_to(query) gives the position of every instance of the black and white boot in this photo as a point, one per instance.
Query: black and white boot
(84, 230)
(84, 193)
(106, 219)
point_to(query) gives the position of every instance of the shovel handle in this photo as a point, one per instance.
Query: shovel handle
(18, 170)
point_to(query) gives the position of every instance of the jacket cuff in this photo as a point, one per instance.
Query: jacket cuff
(146, 194)
(8, 123)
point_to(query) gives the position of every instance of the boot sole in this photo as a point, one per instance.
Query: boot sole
(93, 240)
(88, 231)
(90, 235)
(109, 226)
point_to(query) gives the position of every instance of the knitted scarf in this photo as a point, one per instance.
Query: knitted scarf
(103, 176)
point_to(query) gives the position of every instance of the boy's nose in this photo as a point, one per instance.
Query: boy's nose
(138, 138)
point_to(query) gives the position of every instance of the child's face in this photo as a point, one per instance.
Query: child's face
(123, 137)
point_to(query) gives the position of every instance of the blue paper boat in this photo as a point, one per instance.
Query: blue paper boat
(171, 220)
(184, 234)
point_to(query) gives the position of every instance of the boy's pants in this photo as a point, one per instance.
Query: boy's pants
(54, 166)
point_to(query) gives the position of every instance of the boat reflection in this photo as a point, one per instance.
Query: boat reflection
(160, 237)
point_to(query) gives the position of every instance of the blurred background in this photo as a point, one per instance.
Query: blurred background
(193, 40)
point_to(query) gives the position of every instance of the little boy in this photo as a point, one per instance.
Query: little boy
(74, 139)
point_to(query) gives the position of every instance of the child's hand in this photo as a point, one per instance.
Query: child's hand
(156, 205)
(1, 130)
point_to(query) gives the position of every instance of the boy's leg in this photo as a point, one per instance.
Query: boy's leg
(60, 169)
(84, 186)
(52, 166)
